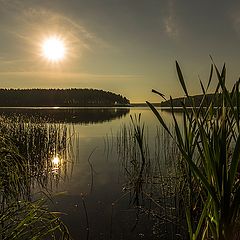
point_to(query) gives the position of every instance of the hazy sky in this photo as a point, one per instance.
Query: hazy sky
(125, 46)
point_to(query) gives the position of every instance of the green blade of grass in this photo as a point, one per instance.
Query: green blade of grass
(234, 162)
(160, 94)
(181, 79)
(156, 113)
(202, 217)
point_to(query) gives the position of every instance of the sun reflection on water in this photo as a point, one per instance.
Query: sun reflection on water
(55, 165)
(56, 161)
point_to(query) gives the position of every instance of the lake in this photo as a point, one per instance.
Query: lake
(93, 194)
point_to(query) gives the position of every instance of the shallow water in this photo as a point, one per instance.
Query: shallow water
(110, 214)
(91, 198)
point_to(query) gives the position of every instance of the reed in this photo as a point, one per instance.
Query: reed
(31, 220)
(38, 143)
(209, 142)
(153, 180)
(27, 149)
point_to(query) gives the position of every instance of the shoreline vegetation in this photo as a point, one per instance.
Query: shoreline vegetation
(28, 170)
(199, 100)
(208, 139)
(177, 103)
(72, 97)
(198, 197)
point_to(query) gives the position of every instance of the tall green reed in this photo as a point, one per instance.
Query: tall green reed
(209, 142)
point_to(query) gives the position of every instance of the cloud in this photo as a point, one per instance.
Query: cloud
(66, 80)
(38, 18)
(235, 19)
(73, 75)
(170, 24)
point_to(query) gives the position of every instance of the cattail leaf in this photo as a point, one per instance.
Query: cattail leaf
(177, 130)
(234, 210)
(202, 217)
(185, 110)
(189, 222)
(234, 162)
(200, 176)
(203, 90)
(210, 77)
(160, 119)
(181, 79)
(237, 103)
(160, 94)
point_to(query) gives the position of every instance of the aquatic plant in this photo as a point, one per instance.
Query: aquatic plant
(209, 142)
(153, 180)
(39, 143)
(27, 150)
(31, 220)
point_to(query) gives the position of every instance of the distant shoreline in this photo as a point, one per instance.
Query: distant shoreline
(88, 107)
(73, 97)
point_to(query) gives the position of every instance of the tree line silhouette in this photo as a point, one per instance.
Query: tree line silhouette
(197, 99)
(59, 97)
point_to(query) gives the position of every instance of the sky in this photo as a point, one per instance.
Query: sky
(124, 46)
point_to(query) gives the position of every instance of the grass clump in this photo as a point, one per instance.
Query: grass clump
(31, 220)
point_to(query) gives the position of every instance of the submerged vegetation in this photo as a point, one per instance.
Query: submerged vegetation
(27, 150)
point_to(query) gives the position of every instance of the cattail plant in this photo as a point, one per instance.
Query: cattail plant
(209, 142)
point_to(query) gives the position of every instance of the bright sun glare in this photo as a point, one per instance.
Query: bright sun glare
(53, 49)
(56, 160)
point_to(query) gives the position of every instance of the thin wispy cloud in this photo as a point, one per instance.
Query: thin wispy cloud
(40, 17)
(72, 75)
(170, 23)
(235, 19)
(111, 82)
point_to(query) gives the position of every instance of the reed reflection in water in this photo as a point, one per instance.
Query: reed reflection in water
(27, 150)
(154, 178)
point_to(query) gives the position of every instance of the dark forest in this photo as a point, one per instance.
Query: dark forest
(59, 97)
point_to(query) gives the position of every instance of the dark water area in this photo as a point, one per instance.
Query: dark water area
(67, 115)
(92, 196)
(94, 201)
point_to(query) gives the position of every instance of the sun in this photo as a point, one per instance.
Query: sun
(53, 49)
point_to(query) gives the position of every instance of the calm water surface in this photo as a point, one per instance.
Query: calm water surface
(92, 198)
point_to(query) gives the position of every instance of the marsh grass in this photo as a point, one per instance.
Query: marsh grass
(31, 220)
(153, 180)
(38, 143)
(209, 143)
(200, 192)
(27, 149)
